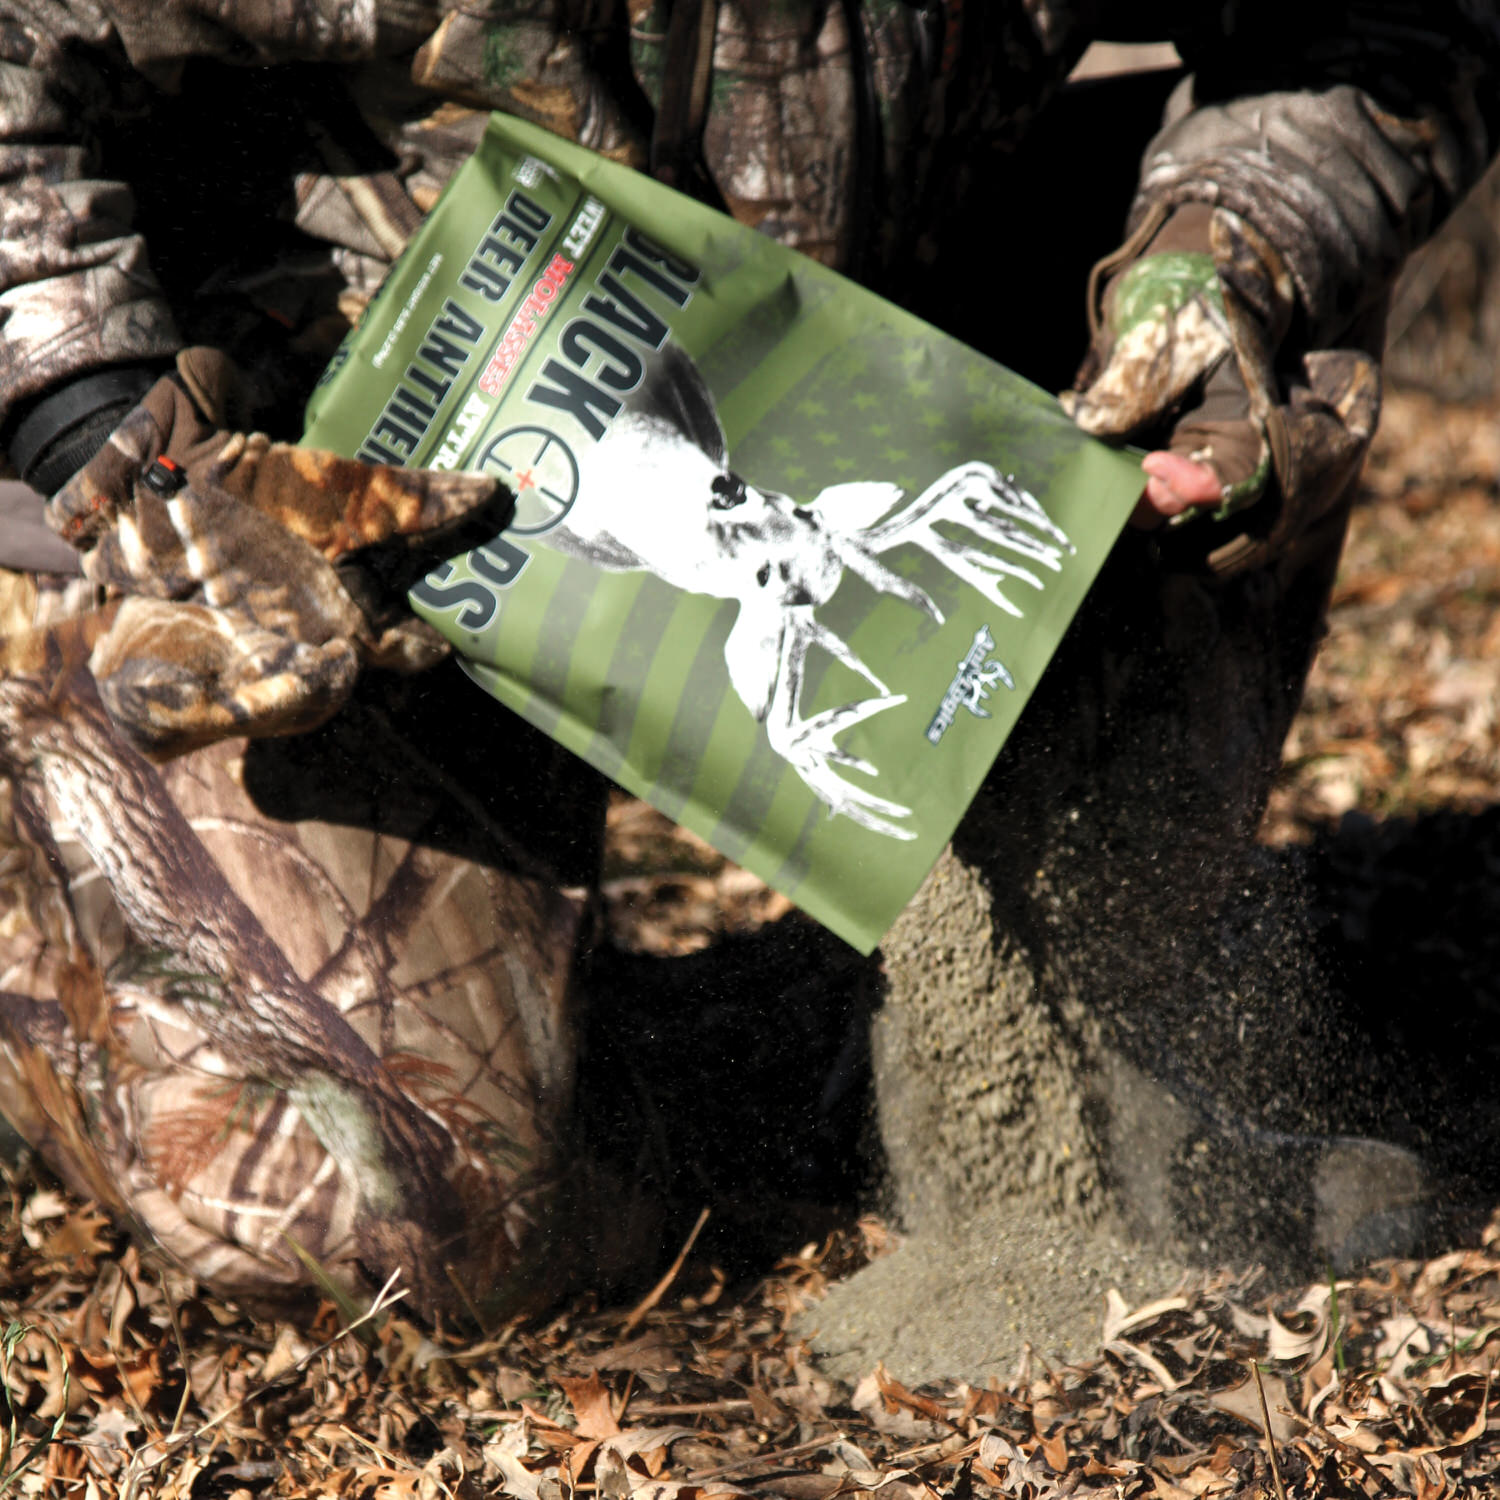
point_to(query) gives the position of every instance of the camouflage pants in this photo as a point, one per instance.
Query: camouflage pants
(287, 1048)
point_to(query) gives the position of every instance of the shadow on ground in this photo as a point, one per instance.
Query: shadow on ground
(738, 1078)
(735, 1079)
(1407, 914)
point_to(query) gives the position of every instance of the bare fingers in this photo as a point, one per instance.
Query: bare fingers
(1174, 484)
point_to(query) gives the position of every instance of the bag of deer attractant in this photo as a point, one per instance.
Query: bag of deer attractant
(786, 562)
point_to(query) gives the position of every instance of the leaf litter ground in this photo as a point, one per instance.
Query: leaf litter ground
(1380, 1385)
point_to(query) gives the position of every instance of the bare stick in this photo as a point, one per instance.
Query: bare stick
(141, 1463)
(1265, 1414)
(691, 1408)
(760, 1460)
(660, 1289)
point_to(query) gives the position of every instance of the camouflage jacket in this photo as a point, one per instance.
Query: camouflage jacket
(1345, 132)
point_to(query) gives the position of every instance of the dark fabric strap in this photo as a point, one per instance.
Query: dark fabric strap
(62, 431)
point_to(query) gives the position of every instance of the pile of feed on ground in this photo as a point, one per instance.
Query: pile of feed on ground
(123, 1379)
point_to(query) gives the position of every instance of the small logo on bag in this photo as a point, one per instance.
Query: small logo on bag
(540, 470)
(978, 675)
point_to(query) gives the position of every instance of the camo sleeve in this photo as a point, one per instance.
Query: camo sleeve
(417, 1124)
(1344, 133)
(76, 289)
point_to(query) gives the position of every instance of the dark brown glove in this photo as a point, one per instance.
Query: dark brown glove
(256, 578)
(1191, 320)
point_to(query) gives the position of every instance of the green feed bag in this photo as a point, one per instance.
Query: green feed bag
(786, 562)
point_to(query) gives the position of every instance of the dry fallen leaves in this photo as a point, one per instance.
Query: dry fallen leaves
(1400, 711)
(1168, 1409)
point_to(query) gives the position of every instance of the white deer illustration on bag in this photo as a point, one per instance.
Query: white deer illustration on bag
(657, 494)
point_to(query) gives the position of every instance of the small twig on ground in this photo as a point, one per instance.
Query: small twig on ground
(127, 1385)
(386, 1457)
(1265, 1415)
(182, 1355)
(660, 1289)
(141, 1463)
(691, 1408)
(1385, 1487)
(759, 1460)
(463, 1296)
(1185, 1443)
(909, 1456)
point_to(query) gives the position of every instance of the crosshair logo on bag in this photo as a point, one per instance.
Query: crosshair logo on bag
(539, 468)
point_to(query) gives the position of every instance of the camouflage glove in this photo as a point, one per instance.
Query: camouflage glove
(257, 577)
(1189, 357)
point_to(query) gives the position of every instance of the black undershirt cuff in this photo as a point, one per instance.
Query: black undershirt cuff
(59, 433)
